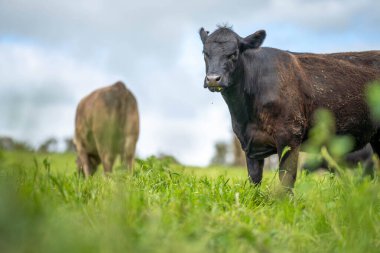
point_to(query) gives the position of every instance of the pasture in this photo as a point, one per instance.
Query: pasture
(164, 207)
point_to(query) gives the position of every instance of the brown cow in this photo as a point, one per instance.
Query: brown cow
(272, 95)
(106, 125)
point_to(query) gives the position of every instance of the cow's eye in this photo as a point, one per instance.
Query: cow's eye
(233, 56)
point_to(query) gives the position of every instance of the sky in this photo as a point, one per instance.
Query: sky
(53, 53)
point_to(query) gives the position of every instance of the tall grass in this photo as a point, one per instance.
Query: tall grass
(46, 207)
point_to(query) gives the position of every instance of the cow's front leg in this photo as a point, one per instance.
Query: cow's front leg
(288, 167)
(255, 170)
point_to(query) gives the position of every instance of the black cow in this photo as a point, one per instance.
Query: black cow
(272, 94)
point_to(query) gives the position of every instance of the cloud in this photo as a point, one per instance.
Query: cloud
(40, 89)
(191, 139)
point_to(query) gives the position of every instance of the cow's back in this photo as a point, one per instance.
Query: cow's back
(365, 59)
(104, 116)
(337, 82)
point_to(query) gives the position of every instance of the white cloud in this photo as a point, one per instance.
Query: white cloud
(40, 89)
(325, 14)
(190, 140)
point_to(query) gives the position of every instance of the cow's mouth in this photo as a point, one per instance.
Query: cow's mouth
(216, 88)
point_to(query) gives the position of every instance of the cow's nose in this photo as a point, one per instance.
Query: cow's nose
(213, 79)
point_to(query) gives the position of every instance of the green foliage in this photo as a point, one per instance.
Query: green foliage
(161, 207)
(284, 152)
(373, 98)
(322, 139)
(323, 129)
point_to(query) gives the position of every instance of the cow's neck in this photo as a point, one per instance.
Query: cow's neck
(237, 102)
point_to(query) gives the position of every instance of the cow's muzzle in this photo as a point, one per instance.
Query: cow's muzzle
(214, 83)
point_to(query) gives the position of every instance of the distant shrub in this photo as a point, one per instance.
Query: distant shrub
(10, 144)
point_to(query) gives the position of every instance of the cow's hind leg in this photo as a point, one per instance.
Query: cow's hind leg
(288, 167)
(94, 161)
(106, 150)
(129, 152)
(108, 160)
(83, 162)
(79, 166)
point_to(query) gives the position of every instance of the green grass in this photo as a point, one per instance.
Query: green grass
(45, 207)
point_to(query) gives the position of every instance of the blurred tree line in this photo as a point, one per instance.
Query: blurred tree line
(47, 146)
(8, 143)
(231, 154)
(228, 153)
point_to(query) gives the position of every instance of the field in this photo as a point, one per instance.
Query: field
(163, 207)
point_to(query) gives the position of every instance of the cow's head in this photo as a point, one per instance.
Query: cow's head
(222, 50)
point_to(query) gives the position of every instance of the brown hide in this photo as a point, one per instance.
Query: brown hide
(106, 125)
(333, 81)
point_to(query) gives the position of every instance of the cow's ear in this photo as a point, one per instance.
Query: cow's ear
(253, 41)
(204, 34)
